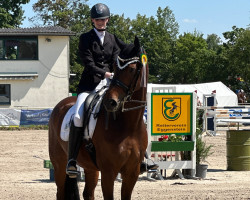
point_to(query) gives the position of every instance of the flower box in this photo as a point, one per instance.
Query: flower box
(172, 146)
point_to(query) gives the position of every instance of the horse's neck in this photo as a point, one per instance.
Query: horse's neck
(140, 95)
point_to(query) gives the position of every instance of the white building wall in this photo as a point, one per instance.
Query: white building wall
(52, 83)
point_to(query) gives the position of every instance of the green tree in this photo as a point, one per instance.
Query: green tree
(191, 51)
(215, 61)
(242, 52)
(231, 36)
(236, 50)
(59, 12)
(213, 42)
(240, 60)
(166, 21)
(11, 13)
(157, 34)
(120, 27)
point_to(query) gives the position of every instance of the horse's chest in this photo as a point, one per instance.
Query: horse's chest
(128, 148)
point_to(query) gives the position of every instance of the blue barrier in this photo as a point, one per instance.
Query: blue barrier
(35, 117)
(14, 117)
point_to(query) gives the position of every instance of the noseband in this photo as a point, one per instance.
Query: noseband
(129, 89)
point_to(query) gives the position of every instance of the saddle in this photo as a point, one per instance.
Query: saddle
(90, 105)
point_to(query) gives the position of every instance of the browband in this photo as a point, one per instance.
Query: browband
(128, 61)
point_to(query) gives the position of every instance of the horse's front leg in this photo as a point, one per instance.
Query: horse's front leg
(107, 180)
(91, 179)
(129, 179)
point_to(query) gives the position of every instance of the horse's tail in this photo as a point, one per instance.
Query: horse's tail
(71, 189)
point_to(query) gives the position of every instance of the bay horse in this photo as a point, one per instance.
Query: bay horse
(121, 146)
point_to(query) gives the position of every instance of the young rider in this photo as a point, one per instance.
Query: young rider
(98, 51)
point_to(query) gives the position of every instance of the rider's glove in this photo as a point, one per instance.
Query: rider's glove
(112, 75)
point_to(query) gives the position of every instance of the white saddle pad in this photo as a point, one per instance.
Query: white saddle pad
(65, 128)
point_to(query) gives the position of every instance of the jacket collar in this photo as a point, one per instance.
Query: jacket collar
(106, 37)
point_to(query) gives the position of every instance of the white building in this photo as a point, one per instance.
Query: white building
(34, 67)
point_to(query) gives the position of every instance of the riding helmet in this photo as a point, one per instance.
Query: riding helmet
(100, 11)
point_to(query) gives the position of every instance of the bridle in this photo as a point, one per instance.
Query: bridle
(129, 89)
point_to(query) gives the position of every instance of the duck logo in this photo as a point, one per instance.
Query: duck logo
(171, 108)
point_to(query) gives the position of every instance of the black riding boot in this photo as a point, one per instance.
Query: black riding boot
(146, 167)
(75, 142)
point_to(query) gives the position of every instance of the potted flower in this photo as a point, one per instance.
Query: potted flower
(203, 151)
(163, 138)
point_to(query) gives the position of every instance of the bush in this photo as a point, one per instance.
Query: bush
(202, 150)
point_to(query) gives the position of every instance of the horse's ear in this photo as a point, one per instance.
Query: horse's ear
(137, 42)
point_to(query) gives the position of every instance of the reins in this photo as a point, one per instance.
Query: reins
(133, 108)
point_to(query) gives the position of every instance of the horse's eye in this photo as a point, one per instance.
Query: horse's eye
(132, 70)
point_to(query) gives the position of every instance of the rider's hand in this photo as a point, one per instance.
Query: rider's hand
(109, 75)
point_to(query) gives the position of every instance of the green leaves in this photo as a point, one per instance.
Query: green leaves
(11, 13)
(64, 13)
(157, 34)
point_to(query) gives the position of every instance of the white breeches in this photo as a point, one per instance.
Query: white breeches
(78, 118)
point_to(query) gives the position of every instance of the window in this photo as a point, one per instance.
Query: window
(4, 94)
(1, 49)
(18, 48)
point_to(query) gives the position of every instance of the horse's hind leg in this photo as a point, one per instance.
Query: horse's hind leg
(67, 188)
(91, 179)
(60, 176)
(59, 160)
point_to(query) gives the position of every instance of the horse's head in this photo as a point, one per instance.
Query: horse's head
(129, 76)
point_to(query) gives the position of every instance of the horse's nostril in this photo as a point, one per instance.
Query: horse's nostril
(112, 103)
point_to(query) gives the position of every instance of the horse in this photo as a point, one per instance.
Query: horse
(120, 140)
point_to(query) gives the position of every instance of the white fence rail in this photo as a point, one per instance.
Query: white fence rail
(215, 116)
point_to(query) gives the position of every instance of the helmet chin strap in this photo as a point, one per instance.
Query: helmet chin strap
(100, 29)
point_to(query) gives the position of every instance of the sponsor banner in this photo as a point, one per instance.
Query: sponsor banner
(171, 113)
(10, 117)
(35, 117)
(239, 110)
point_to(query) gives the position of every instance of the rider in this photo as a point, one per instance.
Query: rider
(98, 51)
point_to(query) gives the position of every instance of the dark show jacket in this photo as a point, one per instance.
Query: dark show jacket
(97, 59)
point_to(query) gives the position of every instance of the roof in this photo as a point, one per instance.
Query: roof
(49, 30)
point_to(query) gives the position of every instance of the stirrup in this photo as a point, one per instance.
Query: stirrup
(71, 169)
